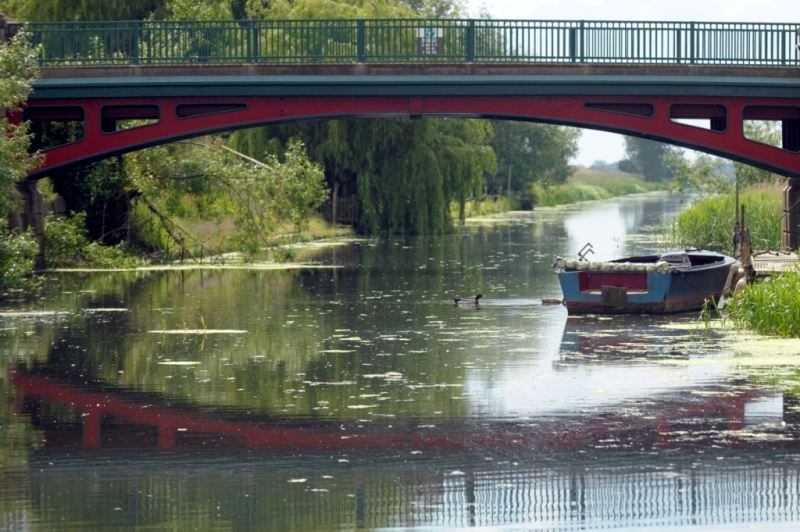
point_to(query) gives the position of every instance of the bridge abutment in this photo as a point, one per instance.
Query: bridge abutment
(4, 36)
(790, 237)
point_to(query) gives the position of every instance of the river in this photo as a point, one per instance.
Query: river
(354, 394)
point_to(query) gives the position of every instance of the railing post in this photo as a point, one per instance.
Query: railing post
(581, 40)
(256, 41)
(573, 44)
(470, 51)
(678, 45)
(692, 38)
(137, 28)
(249, 41)
(361, 45)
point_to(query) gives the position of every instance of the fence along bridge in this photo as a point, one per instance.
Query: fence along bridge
(692, 84)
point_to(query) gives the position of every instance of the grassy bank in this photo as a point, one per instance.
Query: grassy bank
(484, 207)
(588, 184)
(769, 307)
(708, 223)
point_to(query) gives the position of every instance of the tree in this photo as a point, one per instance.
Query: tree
(65, 10)
(648, 157)
(406, 173)
(204, 180)
(530, 153)
(17, 71)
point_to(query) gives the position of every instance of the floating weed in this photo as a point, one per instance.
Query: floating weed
(189, 332)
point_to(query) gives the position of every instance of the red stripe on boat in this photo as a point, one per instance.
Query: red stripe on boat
(597, 280)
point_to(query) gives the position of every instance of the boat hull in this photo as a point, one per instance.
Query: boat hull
(650, 292)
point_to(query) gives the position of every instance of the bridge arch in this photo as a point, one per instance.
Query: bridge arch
(173, 118)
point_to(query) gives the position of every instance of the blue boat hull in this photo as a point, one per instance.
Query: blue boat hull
(653, 292)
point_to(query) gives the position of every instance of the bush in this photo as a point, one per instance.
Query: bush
(64, 239)
(110, 256)
(66, 244)
(17, 257)
(709, 223)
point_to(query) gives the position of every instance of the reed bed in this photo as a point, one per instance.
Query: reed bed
(771, 307)
(709, 223)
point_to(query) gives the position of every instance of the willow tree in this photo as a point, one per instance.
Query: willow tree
(407, 173)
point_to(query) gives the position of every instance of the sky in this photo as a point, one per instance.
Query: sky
(598, 145)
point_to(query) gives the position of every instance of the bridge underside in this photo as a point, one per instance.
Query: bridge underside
(108, 126)
(114, 110)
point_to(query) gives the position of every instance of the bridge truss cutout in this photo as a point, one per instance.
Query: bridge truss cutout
(644, 110)
(709, 117)
(191, 110)
(773, 125)
(53, 127)
(114, 118)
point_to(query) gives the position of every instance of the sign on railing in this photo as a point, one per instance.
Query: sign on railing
(430, 41)
(413, 40)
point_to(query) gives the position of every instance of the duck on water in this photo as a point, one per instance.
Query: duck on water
(469, 302)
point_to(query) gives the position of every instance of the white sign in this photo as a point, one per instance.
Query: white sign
(430, 41)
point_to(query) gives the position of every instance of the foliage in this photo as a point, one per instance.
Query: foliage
(647, 157)
(706, 174)
(66, 244)
(405, 172)
(118, 256)
(709, 223)
(102, 190)
(64, 239)
(709, 174)
(589, 185)
(769, 307)
(17, 256)
(17, 71)
(58, 10)
(530, 153)
(289, 192)
(486, 206)
(766, 132)
(203, 180)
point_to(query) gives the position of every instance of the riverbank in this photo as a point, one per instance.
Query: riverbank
(588, 184)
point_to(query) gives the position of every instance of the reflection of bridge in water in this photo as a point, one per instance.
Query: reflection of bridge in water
(112, 417)
(688, 460)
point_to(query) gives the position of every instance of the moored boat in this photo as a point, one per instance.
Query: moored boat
(670, 282)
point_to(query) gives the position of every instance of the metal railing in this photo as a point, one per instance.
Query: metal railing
(342, 41)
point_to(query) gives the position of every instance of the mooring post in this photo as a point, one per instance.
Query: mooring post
(790, 238)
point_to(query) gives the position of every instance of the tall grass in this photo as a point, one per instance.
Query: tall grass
(709, 223)
(587, 184)
(769, 307)
(484, 207)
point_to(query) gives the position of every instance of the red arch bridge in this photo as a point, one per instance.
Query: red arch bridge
(691, 84)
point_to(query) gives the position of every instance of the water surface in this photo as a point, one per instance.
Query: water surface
(358, 396)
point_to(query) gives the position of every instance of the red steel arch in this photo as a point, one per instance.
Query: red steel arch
(653, 117)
